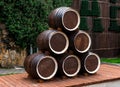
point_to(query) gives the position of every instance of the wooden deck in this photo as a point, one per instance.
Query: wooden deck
(106, 73)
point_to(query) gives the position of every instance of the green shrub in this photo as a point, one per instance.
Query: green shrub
(86, 11)
(113, 1)
(97, 25)
(25, 19)
(113, 11)
(84, 24)
(114, 26)
(59, 3)
(95, 8)
(85, 8)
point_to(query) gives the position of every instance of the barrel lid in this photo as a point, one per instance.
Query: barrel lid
(71, 19)
(82, 41)
(58, 42)
(43, 60)
(71, 65)
(93, 59)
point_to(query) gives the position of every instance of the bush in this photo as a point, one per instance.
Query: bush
(25, 19)
(114, 26)
(84, 24)
(95, 8)
(97, 25)
(59, 3)
(85, 8)
(113, 11)
(113, 1)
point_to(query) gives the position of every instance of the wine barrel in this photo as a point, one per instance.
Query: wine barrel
(27, 62)
(90, 64)
(80, 41)
(65, 18)
(68, 65)
(43, 67)
(54, 41)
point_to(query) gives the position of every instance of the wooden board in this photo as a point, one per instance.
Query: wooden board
(106, 73)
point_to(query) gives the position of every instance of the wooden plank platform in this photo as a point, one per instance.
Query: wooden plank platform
(105, 73)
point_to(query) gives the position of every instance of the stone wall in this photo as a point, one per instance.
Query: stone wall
(10, 54)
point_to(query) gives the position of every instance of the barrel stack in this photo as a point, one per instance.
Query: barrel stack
(64, 49)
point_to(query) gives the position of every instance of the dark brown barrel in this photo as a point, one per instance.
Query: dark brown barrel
(27, 62)
(54, 41)
(64, 17)
(91, 63)
(69, 65)
(43, 67)
(80, 41)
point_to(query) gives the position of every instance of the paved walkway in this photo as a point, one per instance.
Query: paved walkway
(115, 83)
(15, 70)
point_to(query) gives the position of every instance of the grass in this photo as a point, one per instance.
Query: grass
(110, 60)
(6, 74)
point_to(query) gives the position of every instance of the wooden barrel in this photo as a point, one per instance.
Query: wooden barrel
(80, 41)
(27, 62)
(43, 67)
(54, 41)
(90, 63)
(65, 18)
(68, 65)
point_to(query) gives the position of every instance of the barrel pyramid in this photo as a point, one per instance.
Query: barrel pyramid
(64, 49)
